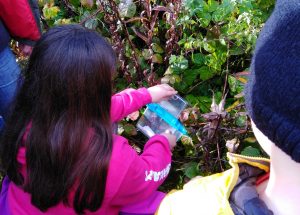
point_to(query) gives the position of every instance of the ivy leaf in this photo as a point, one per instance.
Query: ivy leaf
(204, 103)
(147, 53)
(186, 140)
(193, 100)
(127, 8)
(190, 76)
(91, 23)
(241, 121)
(181, 86)
(157, 58)
(204, 18)
(250, 140)
(222, 41)
(194, 4)
(223, 11)
(251, 151)
(50, 12)
(129, 129)
(205, 73)
(212, 5)
(236, 50)
(191, 170)
(245, 6)
(209, 46)
(198, 58)
(75, 3)
(178, 63)
(235, 85)
(157, 48)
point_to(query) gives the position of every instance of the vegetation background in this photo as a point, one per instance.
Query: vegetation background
(201, 47)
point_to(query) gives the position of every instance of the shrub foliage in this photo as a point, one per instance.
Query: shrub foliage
(201, 47)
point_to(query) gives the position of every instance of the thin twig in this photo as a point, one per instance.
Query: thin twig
(70, 7)
(227, 73)
(91, 16)
(219, 156)
(196, 85)
(133, 19)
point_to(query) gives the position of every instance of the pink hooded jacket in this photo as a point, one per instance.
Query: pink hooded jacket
(131, 177)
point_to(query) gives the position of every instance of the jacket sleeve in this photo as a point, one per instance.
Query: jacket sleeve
(146, 172)
(128, 101)
(22, 19)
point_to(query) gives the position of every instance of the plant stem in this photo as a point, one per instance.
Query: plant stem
(114, 7)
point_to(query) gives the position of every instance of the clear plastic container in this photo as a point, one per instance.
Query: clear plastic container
(163, 117)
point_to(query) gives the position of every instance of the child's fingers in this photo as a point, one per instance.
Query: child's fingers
(168, 94)
(168, 87)
(171, 93)
(169, 90)
(161, 92)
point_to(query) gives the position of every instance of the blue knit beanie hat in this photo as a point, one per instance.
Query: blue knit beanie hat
(273, 91)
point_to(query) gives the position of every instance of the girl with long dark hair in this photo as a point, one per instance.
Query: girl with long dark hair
(58, 150)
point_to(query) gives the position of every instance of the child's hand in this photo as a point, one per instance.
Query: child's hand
(161, 92)
(171, 138)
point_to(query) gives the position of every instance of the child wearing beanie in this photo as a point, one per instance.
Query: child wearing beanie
(256, 185)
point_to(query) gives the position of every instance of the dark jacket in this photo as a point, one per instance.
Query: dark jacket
(19, 19)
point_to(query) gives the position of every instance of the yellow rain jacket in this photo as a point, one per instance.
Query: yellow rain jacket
(209, 195)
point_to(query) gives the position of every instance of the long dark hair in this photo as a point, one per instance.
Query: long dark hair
(64, 102)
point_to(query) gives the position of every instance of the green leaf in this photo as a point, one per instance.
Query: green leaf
(241, 121)
(216, 60)
(209, 46)
(192, 99)
(129, 129)
(191, 170)
(222, 41)
(157, 58)
(157, 48)
(75, 3)
(250, 140)
(178, 63)
(223, 11)
(218, 96)
(193, 5)
(204, 18)
(246, 6)
(235, 85)
(147, 53)
(190, 76)
(91, 23)
(251, 151)
(205, 73)
(50, 12)
(198, 58)
(212, 5)
(218, 15)
(181, 86)
(236, 50)
(204, 104)
(186, 140)
(127, 8)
